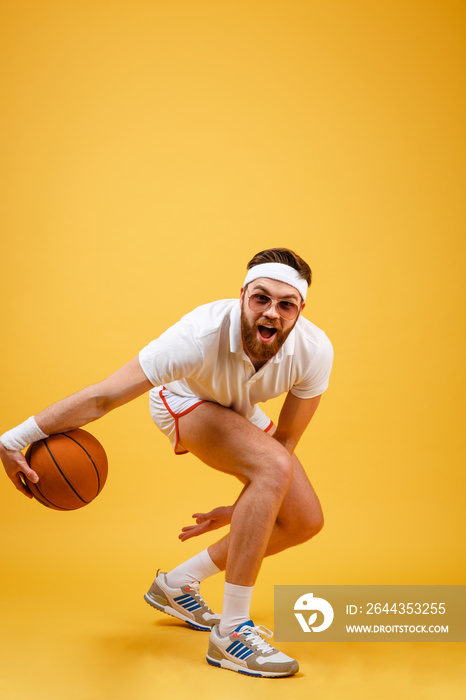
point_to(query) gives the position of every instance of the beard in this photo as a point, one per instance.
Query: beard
(256, 348)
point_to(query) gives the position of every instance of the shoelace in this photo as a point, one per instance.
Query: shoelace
(193, 589)
(194, 586)
(253, 634)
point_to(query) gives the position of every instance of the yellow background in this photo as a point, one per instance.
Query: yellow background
(149, 149)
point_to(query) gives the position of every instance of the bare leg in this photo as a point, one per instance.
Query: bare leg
(299, 518)
(227, 442)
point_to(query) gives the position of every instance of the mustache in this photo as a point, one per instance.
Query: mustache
(268, 322)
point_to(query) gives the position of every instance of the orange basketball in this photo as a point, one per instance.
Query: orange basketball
(72, 469)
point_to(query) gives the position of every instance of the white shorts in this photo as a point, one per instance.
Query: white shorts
(166, 408)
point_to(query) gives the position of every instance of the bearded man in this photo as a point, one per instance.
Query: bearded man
(206, 376)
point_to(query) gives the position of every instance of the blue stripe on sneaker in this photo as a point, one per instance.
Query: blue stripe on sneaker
(234, 646)
(245, 654)
(187, 602)
(182, 598)
(238, 653)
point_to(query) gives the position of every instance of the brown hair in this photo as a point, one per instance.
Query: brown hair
(284, 256)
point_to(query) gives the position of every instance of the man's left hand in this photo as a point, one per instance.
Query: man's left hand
(206, 522)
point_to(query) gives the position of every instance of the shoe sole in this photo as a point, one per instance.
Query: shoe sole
(231, 666)
(168, 610)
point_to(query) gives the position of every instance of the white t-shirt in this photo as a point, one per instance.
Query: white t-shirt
(202, 356)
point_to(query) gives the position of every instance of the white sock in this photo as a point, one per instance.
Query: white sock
(236, 604)
(192, 571)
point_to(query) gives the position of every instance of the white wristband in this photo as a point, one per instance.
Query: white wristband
(20, 437)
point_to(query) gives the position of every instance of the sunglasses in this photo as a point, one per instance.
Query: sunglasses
(261, 302)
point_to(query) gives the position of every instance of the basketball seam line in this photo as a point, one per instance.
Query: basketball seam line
(44, 500)
(69, 484)
(93, 463)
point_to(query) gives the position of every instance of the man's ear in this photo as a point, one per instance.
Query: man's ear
(241, 295)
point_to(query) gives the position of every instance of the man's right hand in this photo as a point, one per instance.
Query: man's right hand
(15, 464)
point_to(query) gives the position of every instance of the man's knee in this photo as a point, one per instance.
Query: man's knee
(276, 471)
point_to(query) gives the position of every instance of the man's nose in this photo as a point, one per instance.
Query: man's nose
(272, 310)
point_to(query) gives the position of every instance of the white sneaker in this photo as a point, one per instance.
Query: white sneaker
(245, 651)
(185, 603)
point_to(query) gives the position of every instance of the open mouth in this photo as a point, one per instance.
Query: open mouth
(266, 333)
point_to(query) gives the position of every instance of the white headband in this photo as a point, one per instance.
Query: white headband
(280, 272)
